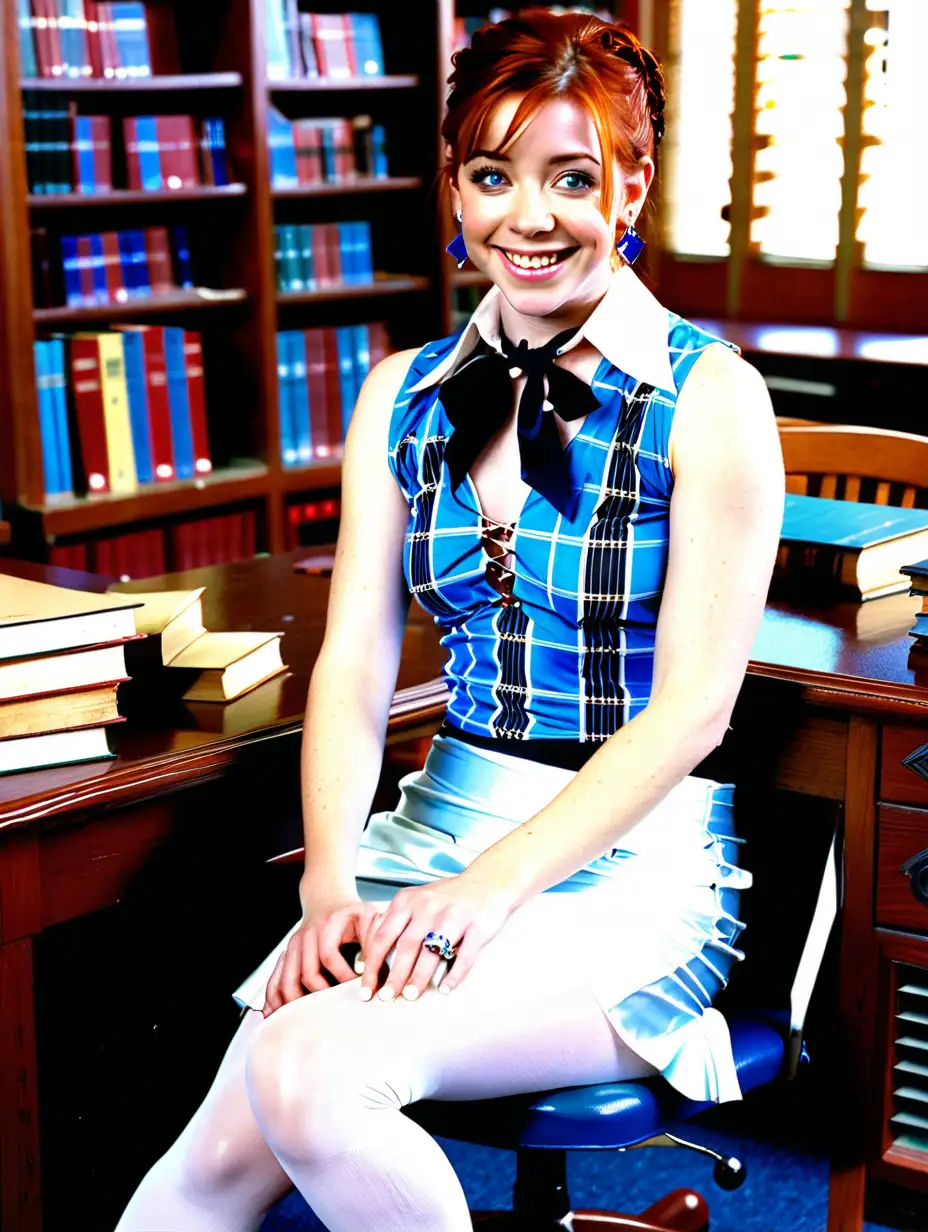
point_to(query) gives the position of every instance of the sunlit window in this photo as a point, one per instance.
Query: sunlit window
(799, 127)
(893, 194)
(697, 168)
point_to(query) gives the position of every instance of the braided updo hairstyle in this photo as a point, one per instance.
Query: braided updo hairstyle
(545, 56)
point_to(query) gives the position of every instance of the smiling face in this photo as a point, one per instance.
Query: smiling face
(532, 218)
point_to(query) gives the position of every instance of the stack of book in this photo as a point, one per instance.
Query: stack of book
(331, 254)
(109, 267)
(325, 151)
(333, 45)
(220, 666)
(122, 408)
(84, 38)
(848, 548)
(319, 375)
(62, 657)
(71, 152)
(918, 586)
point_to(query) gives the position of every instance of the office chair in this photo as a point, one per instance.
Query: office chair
(766, 1015)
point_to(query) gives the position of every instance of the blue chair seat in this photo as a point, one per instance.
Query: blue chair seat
(605, 1117)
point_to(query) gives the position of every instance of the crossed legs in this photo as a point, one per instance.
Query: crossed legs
(312, 1095)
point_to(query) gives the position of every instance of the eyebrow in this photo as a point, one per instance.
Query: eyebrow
(552, 162)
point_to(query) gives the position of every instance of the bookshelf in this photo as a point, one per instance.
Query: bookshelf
(211, 59)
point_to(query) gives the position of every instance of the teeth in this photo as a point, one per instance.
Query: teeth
(534, 262)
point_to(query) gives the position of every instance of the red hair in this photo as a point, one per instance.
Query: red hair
(545, 56)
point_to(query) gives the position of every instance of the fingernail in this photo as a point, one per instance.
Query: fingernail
(410, 992)
(445, 988)
(366, 994)
(386, 993)
(359, 965)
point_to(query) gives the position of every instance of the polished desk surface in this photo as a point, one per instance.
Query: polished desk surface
(849, 654)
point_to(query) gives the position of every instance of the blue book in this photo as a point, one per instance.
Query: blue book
(299, 398)
(367, 45)
(348, 253)
(50, 465)
(362, 356)
(304, 236)
(216, 149)
(73, 294)
(58, 374)
(131, 32)
(281, 150)
(27, 61)
(180, 249)
(101, 292)
(137, 388)
(83, 145)
(920, 628)
(363, 261)
(275, 41)
(146, 134)
(285, 400)
(327, 134)
(379, 169)
(127, 264)
(344, 337)
(178, 402)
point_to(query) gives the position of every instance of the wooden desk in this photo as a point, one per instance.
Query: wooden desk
(76, 839)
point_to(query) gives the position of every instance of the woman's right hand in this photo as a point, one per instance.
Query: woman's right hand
(315, 948)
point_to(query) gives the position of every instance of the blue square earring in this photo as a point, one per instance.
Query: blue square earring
(456, 248)
(631, 245)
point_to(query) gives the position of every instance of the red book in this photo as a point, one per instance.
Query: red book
(315, 382)
(158, 251)
(332, 49)
(130, 141)
(326, 260)
(350, 49)
(85, 269)
(177, 146)
(102, 156)
(343, 141)
(94, 45)
(87, 394)
(107, 35)
(333, 408)
(250, 542)
(112, 267)
(47, 38)
(159, 410)
(307, 140)
(196, 392)
(378, 342)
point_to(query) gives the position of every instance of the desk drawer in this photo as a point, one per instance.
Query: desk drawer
(903, 833)
(900, 783)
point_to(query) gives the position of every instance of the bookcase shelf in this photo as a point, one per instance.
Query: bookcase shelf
(130, 196)
(152, 305)
(74, 515)
(318, 475)
(315, 85)
(385, 285)
(366, 184)
(138, 85)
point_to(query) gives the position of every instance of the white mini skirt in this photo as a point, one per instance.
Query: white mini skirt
(655, 919)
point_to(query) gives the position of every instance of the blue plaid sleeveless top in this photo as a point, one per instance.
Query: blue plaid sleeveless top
(572, 656)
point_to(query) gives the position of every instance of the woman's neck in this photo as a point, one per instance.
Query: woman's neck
(538, 330)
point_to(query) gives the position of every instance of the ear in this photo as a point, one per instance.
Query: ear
(455, 196)
(637, 184)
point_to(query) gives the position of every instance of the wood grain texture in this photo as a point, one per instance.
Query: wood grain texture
(903, 832)
(20, 1177)
(898, 782)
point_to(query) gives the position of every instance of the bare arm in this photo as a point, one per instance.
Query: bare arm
(355, 674)
(725, 519)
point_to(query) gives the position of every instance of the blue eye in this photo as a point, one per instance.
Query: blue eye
(489, 177)
(578, 180)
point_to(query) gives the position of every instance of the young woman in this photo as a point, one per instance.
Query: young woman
(586, 492)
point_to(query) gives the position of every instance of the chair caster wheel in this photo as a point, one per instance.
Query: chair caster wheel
(729, 1173)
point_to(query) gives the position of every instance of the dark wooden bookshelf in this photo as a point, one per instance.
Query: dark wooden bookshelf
(167, 83)
(4, 534)
(364, 184)
(314, 85)
(131, 196)
(387, 284)
(219, 68)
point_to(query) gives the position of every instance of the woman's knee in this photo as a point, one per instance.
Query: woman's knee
(312, 1068)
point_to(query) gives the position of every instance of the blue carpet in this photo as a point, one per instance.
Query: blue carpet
(785, 1188)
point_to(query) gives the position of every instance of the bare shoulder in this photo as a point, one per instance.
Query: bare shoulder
(385, 379)
(370, 420)
(723, 407)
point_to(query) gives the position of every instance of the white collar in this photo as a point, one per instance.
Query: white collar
(629, 328)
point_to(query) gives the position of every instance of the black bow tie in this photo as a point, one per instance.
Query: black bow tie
(478, 401)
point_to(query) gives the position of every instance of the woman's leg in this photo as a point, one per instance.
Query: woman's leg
(220, 1175)
(328, 1075)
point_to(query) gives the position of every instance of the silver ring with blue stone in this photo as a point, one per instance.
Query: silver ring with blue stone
(438, 943)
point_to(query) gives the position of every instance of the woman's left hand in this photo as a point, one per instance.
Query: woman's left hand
(467, 911)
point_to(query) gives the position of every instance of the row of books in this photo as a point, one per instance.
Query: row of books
(319, 375)
(311, 522)
(325, 151)
(110, 267)
(191, 544)
(332, 45)
(918, 586)
(121, 408)
(308, 257)
(70, 152)
(83, 38)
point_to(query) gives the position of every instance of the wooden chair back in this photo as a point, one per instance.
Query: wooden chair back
(846, 462)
